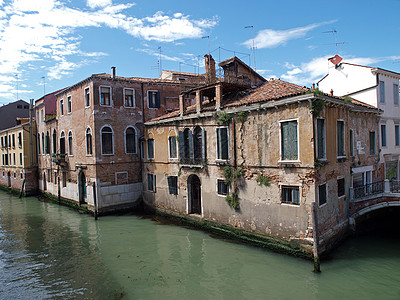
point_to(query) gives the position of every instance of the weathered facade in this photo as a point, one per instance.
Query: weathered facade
(18, 158)
(290, 148)
(94, 149)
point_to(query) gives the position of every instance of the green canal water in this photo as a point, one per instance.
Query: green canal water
(52, 252)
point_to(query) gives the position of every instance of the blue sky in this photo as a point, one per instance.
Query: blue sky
(60, 42)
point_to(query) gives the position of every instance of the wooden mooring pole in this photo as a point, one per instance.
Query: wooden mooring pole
(317, 265)
(22, 188)
(95, 200)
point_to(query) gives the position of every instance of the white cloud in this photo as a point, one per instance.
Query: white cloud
(98, 3)
(269, 38)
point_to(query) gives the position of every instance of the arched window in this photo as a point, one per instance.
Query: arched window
(107, 144)
(172, 145)
(70, 143)
(47, 142)
(89, 141)
(38, 143)
(54, 141)
(150, 146)
(62, 142)
(130, 140)
(43, 145)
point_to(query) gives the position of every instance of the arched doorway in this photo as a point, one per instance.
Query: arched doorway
(194, 193)
(82, 187)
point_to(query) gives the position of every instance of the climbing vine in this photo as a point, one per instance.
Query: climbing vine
(263, 180)
(231, 175)
(317, 106)
(224, 118)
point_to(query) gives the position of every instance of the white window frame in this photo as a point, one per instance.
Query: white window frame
(91, 133)
(176, 145)
(344, 139)
(216, 144)
(154, 147)
(84, 96)
(154, 187)
(136, 139)
(133, 98)
(61, 103)
(280, 142)
(111, 100)
(70, 146)
(287, 184)
(112, 140)
(316, 138)
(216, 187)
(69, 104)
(337, 179)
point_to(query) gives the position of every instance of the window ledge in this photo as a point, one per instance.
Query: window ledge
(341, 158)
(222, 161)
(320, 206)
(290, 204)
(129, 106)
(107, 154)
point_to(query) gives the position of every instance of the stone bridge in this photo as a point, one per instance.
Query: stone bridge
(373, 196)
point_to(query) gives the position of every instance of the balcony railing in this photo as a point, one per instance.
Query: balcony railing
(59, 159)
(368, 189)
(192, 161)
(395, 186)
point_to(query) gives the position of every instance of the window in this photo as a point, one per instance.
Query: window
(105, 95)
(69, 104)
(142, 149)
(129, 96)
(43, 144)
(41, 115)
(289, 147)
(222, 187)
(322, 194)
(54, 141)
(396, 94)
(321, 139)
(222, 143)
(372, 145)
(151, 182)
(153, 98)
(382, 91)
(172, 185)
(340, 139)
(89, 141)
(107, 144)
(351, 142)
(150, 149)
(62, 107)
(172, 147)
(291, 195)
(62, 142)
(87, 97)
(70, 143)
(19, 139)
(192, 146)
(340, 187)
(2, 142)
(14, 163)
(20, 159)
(47, 143)
(396, 135)
(9, 141)
(13, 140)
(38, 143)
(130, 141)
(383, 135)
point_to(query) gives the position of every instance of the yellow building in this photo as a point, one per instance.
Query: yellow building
(18, 157)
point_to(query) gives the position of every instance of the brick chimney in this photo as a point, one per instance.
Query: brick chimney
(112, 72)
(181, 104)
(210, 68)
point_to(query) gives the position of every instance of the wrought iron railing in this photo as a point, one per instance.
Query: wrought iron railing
(395, 186)
(368, 189)
(192, 161)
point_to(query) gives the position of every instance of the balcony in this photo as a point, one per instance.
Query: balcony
(192, 162)
(367, 190)
(59, 159)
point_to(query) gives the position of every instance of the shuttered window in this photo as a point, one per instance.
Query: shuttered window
(150, 149)
(382, 91)
(172, 147)
(222, 143)
(340, 139)
(151, 182)
(289, 147)
(172, 185)
(321, 138)
(372, 144)
(383, 135)
(192, 146)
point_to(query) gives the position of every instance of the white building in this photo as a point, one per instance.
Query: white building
(379, 88)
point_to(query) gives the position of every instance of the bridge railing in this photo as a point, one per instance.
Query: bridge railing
(395, 186)
(367, 190)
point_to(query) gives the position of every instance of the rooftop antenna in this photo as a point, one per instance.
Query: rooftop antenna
(207, 37)
(336, 42)
(16, 76)
(159, 48)
(44, 85)
(254, 48)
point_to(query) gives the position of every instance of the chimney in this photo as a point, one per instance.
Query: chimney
(218, 97)
(181, 104)
(313, 86)
(210, 68)
(112, 72)
(331, 92)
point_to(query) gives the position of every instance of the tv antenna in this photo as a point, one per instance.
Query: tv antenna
(207, 37)
(254, 48)
(336, 42)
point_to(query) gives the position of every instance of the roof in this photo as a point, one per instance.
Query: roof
(233, 59)
(10, 112)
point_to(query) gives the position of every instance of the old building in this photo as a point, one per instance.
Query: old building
(18, 157)
(91, 149)
(259, 156)
(379, 88)
(10, 113)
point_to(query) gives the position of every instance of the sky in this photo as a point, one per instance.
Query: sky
(47, 45)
